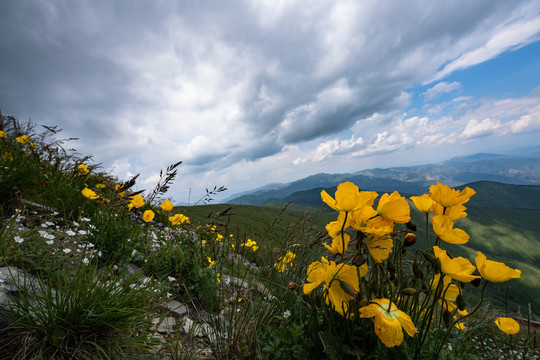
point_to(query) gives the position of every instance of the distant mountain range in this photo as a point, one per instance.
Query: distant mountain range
(518, 168)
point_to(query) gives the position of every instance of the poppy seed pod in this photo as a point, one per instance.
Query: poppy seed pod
(410, 240)
(411, 226)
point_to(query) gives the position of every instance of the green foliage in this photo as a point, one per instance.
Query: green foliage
(89, 314)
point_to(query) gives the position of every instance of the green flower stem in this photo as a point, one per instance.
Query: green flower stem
(464, 317)
(427, 229)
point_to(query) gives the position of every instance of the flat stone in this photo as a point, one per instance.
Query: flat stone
(177, 307)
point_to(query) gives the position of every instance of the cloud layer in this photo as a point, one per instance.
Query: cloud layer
(240, 90)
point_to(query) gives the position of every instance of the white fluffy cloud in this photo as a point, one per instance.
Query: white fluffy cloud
(241, 87)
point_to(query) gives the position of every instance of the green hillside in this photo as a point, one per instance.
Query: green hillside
(503, 222)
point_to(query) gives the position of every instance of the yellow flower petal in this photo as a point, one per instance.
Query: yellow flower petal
(166, 205)
(148, 215)
(495, 271)
(507, 325)
(423, 203)
(394, 207)
(447, 197)
(458, 268)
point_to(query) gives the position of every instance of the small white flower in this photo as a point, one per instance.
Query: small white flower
(49, 242)
(85, 219)
(67, 251)
(76, 224)
(44, 225)
(133, 252)
(286, 314)
(18, 239)
(90, 245)
(99, 253)
(71, 233)
(55, 213)
(171, 279)
(82, 232)
(169, 294)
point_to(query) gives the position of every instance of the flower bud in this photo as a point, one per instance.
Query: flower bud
(409, 291)
(359, 260)
(460, 301)
(348, 288)
(293, 285)
(447, 318)
(417, 271)
(410, 240)
(411, 226)
(433, 260)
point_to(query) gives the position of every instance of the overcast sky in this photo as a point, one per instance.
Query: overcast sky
(251, 92)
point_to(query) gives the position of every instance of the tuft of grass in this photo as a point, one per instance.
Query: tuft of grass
(88, 314)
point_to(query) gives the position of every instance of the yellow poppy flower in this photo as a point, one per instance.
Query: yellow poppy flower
(348, 197)
(340, 282)
(379, 246)
(457, 268)
(2, 134)
(23, 139)
(178, 219)
(443, 226)
(447, 197)
(166, 205)
(82, 169)
(335, 227)
(137, 201)
(453, 212)
(339, 244)
(423, 203)
(90, 194)
(495, 271)
(461, 326)
(449, 294)
(507, 325)
(389, 321)
(394, 207)
(148, 215)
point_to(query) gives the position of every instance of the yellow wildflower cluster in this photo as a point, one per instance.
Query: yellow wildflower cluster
(369, 275)
(251, 244)
(284, 261)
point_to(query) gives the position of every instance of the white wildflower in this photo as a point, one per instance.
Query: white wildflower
(286, 314)
(49, 242)
(70, 233)
(171, 279)
(18, 239)
(66, 250)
